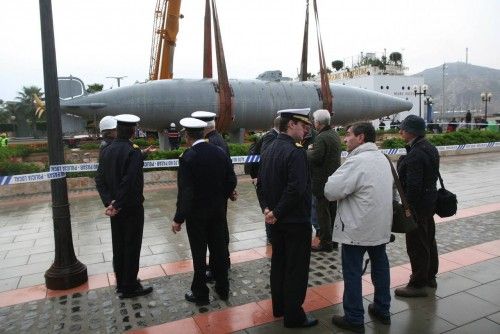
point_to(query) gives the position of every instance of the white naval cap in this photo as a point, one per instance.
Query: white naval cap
(193, 124)
(127, 119)
(296, 114)
(172, 125)
(107, 123)
(206, 116)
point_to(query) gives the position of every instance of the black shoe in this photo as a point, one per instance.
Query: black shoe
(432, 283)
(340, 322)
(119, 289)
(385, 319)
(139, 291)
(190, 297)
(410, 292)
(209, 275)
(223, 294)
(309, 322)
(322, 248)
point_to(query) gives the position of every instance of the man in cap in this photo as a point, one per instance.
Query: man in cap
(211, 133)
(284, 192)
(205, 181)
(174, 137)
(107, 127)
(120, 182)
(214, 137)
(418, 172)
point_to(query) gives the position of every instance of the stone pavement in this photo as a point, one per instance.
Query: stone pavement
(26, 251)
(27, 242)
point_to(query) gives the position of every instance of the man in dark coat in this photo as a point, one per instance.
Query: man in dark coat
(120, 183)
(418, 172)
(205, 181)
(324, 159)
(284, 191)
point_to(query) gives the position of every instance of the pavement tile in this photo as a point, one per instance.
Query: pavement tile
(451, 283)
(492, 247)
(232, 319)
(412, 321)
(495, 317)
(32, 279)
(467, 256)
(22, 295)
(277, 327)
(178, 267)
(23, 270)
(266, 251)
(314, 301)
(184, 326)
(151, 272)
(244, 256)
(489, 292)
(479, 326)
(332, 292)
(13, 261)
(9, 284)
(463, 308)
(17, 245)
(483, 272)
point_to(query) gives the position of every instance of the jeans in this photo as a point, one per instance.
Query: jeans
(352, 267)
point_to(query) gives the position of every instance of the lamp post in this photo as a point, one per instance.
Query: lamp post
(420, 90)
(486, 97)
(13, 121)
(428, 102)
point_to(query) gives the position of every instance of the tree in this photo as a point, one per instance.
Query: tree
(94, 88)
(396, 58)
(27, 108)
(337, 64)
(310, 76)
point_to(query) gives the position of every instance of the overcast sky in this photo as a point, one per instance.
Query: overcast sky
(100, 38)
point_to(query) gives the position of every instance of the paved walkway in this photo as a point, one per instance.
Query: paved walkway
(26, 252)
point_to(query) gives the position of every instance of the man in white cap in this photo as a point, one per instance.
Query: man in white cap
(120, 182)
(107, 127)
(215, 138)
(284, 191)
(211, 133)
(205, 181)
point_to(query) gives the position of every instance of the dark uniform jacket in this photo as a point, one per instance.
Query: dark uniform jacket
(215, 138)
(418, 171)
(284, 181)
(324, 159)
(205, 179)
(120, 176)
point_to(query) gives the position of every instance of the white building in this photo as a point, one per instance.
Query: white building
(390, 81)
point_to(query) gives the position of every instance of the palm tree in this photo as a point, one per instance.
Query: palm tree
(27, 107)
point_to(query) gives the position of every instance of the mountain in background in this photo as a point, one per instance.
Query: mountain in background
(464, 84)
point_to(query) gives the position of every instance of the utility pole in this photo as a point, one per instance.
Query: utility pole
(118, 79)
(66, 271)
(444, 96)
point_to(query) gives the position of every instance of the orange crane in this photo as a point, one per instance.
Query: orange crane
(165, 29)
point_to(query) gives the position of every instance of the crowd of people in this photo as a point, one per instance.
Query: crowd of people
(299, 177)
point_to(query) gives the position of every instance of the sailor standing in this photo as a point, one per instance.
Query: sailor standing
(284, 192)
(120, 182)
(205, 181)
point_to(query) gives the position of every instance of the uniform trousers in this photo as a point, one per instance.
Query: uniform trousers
(207, 228)
(126, 235)
(226, 236)
(422, 251)
(290, 270)
(324, 220)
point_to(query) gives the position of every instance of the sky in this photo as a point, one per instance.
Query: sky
(96, 39)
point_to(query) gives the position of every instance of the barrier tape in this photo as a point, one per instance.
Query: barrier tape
(59, 171)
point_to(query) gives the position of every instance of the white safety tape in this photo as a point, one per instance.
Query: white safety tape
(59, 171)
(35, 177)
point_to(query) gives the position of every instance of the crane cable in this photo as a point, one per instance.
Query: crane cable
(325, 85)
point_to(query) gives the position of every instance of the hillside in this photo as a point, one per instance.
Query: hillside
(464, 84)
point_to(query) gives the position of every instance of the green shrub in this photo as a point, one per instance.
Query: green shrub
(8, 167)
(143, 142)
(393, 143)
(89, 146)
(238, 149)
(164, 155)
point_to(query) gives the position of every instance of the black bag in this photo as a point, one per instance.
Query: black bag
(402, 218)
(446, 203)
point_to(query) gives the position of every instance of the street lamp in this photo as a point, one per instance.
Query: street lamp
(420, 90)
(13, 121)
(486, 97)
(428, 102)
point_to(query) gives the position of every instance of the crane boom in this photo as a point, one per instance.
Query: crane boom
(165, 29)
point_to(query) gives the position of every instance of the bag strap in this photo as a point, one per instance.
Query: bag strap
(399, 187)
(435, 166)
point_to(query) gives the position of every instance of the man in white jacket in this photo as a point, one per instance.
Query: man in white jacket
(363, 188)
